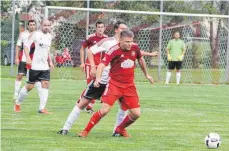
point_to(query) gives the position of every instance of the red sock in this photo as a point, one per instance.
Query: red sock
(126, 122)
(93, 121)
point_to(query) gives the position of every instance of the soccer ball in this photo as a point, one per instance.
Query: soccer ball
(212, 140)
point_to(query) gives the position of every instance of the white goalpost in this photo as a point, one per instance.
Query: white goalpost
(72, 25)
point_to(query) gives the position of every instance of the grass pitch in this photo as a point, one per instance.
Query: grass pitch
(174, 118)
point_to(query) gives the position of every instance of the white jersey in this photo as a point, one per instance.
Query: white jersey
(104, 46)
(42, 46)
(21, 40)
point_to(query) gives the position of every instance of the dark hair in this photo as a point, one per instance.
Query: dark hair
(99, 22)
(31, 21)
(126, 33)
(116, 25)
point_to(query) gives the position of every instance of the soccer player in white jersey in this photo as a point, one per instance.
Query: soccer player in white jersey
(40, 65)
(20, 58)
(95, 93)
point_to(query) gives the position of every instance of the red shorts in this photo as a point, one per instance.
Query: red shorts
(129, 96)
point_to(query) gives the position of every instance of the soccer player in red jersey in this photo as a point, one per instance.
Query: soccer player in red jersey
(121, 58)
(85, 66)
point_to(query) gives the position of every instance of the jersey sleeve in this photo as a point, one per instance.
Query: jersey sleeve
(85, 43)
(19, 41)
(101, 46)
(169, 45)
(30, 40)
(108, 57)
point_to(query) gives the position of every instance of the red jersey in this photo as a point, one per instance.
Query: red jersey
(89, 42)
(122, 64)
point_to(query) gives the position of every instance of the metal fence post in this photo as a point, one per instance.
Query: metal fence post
(12, 40)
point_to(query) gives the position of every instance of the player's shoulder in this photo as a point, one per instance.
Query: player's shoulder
(135, 46)
(91, 36)
(114, 49)
(105, 36)
(107, 40)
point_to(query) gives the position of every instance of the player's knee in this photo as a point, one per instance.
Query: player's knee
(104, 110)
(135, 115)
(19, 77)
(29, 87)
(45, 84)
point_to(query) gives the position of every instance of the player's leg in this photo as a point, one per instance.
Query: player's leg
(89, 109)
(171, 66)
(44, 77)
(24, 91)
(21, 72)
(39, 87)
(111, 94)
(178, 71)
(89, 94)
(122, 112)
(133, 104)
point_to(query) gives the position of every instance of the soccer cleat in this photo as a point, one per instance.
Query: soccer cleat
(83, 134)
(62, 132)
(119, 133)
(89, 110)
(44, 111)
(17, 108)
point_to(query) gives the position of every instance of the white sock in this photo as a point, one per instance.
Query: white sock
(22, 94)
(17, 87)
(178, 77)
(39, 87)
(43, 98)
(168, 75)
(120, 117)
(72, 118)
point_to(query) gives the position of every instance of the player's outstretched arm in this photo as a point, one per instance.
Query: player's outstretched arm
(151, 54)
(142, 64)
(99, 74)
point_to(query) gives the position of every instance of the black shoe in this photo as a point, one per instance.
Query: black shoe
(62, 132)
(115, 134)
(89, 110)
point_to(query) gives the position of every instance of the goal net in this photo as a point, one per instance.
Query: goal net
(205, 61)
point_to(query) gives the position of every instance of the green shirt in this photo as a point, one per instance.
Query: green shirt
(176, 47)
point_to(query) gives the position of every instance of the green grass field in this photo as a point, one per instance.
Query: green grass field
(174, 118)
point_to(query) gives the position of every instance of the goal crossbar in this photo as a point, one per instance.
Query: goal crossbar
(134, 12)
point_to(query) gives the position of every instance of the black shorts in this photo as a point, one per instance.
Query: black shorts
(175, 64)
(92, 92)
(38, 75)
(22, 68)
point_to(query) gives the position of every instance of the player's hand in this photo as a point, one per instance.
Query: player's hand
(96, 83)
(181, 57)
(51, 65)
(169, 57)
(82, 67)
(155, 53)
(150, 78)
(16, 61)
(28, 61)
(93, 71)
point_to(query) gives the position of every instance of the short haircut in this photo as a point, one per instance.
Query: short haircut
(31, 21)
(99, 22)
(126, 33)
(176, 32)
(116, 25)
